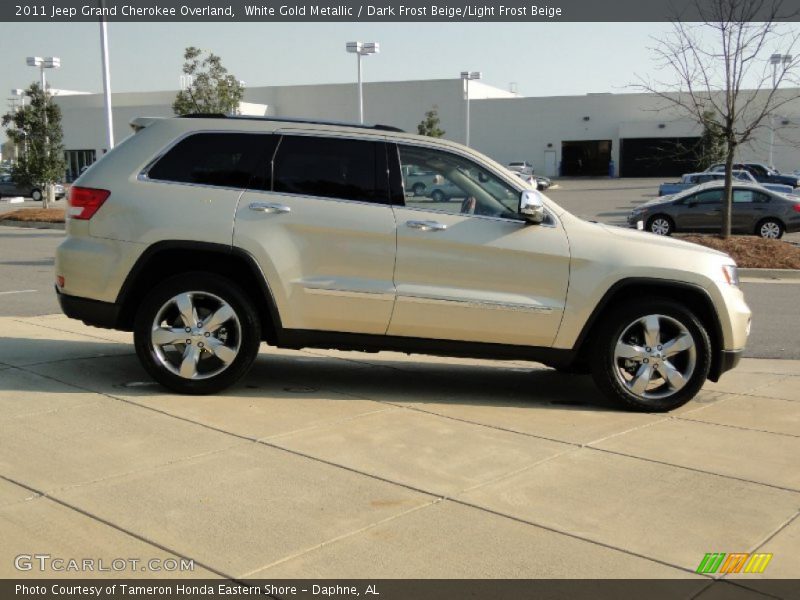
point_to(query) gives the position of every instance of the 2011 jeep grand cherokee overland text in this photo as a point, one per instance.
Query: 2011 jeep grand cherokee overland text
(206, 236)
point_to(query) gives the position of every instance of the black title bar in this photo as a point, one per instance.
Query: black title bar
(451, 11)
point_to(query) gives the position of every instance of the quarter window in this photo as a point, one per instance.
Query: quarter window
(218, 159)
(332, 168)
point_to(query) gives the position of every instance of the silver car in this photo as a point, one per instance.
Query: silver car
(9, 188)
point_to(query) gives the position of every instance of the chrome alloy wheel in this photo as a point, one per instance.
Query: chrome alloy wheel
(196, 335)
(770, 230)
(655, 357)
(660, 226)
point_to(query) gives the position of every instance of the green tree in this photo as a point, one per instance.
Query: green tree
(36, 129)
(711, 148)
(211, 89)
(430, 124)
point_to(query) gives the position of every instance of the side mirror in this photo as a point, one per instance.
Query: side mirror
(531, 206)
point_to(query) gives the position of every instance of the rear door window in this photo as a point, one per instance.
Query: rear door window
(217, 159)
(336, 168)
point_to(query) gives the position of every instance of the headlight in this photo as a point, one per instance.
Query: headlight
(731, 274)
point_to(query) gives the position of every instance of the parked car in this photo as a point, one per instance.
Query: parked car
(692, 179)
(762, 173)
(8, 187)
(540, 182)
(205, 236)
(521, 166)
(756, 211)
(431, 185)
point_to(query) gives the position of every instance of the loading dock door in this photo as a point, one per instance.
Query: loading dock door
(585, 157)
(657, 157)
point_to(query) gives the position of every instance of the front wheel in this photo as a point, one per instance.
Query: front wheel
(36, 195)
(651, 357)
(660, 225)
(770, 229)
(438, 196)
(197, 333)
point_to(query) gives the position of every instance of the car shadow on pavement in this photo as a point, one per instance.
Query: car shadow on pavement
(73, 366)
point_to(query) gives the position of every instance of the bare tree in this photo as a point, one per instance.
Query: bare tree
(724, 77)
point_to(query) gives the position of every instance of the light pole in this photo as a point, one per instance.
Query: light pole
(775, 60)
(362, 49)
(106, 80)
(466, 77)
(48, 62)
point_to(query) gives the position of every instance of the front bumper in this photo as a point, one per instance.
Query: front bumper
(91, 312)
(726, 360)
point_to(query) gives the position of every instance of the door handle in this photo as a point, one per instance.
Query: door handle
(269, 207)
(426, 225)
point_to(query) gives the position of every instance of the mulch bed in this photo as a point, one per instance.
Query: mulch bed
(42, 215)
(752, 252)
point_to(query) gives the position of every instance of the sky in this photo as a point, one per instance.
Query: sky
(543, 59)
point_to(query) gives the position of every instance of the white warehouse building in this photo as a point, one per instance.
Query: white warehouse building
(628, 135)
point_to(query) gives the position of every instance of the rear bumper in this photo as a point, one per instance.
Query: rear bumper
(91, 312)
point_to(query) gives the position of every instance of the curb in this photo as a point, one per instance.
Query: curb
(770, 273)
(31, 224)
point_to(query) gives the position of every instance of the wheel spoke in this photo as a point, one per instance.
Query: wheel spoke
(189, 364)
(652, 330)
(683, 342)
(673, 376)
(225, 353)
(164, 336)
(639, 383)
(187, 310)
(223, 313)
(631, 351)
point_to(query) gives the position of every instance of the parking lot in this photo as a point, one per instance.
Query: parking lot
(334, 464)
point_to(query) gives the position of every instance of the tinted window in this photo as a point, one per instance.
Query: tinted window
(332, 168)
(220, 159)
(709, 197)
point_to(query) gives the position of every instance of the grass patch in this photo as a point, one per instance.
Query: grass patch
(42, 215)
(752, 252)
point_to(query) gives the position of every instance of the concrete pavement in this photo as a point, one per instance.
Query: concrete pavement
(333, 464)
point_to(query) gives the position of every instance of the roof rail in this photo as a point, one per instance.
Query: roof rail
(379, 127)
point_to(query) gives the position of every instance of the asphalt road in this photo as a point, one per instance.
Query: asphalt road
(27, 278)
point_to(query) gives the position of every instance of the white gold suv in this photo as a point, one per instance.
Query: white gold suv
(206, 236)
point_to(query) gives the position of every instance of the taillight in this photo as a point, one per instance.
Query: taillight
(84, 202)
(796, 208)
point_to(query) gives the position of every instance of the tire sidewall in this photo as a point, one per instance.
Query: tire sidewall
(198, 282)
(603, 363)
(36, 192)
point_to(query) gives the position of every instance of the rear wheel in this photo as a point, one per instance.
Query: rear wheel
(438, 196)
(197, 333)
(660, 225)
(652, 357)
(770, 229)
(418, 189)
(36, 195)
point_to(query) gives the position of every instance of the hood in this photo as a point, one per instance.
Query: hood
(658, 240)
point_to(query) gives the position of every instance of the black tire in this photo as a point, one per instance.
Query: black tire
(610, 372)
(36, 195)
(243, 330)
(438, 196)
(660, 225)
(418, 189)
(770, 229)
